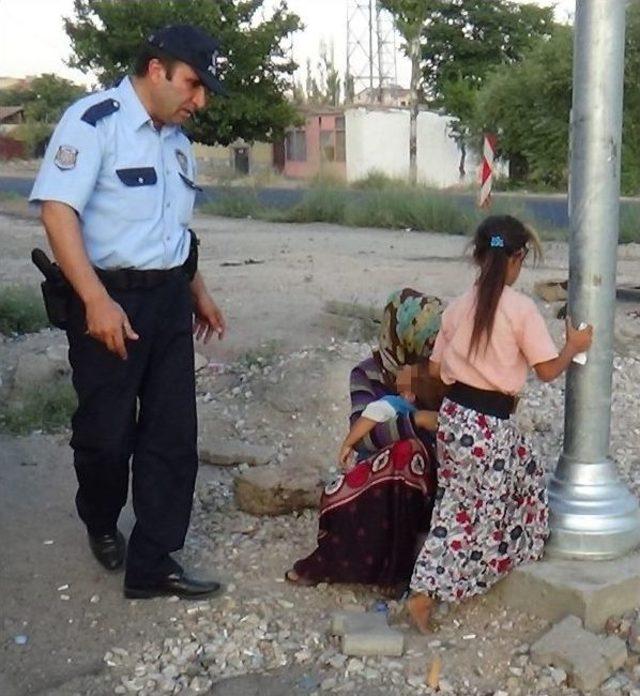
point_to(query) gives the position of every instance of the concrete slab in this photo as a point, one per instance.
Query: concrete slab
(343, 622)
(589, 659)
(383, 641)
(590, 590)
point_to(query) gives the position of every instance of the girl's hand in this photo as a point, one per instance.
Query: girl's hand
(578, 340)
(346, 457)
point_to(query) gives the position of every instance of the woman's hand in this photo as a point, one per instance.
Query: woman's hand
(346, 457)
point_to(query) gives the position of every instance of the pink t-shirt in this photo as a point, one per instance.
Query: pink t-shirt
(519, 339)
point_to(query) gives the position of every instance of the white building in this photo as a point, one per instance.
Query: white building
(377, 141)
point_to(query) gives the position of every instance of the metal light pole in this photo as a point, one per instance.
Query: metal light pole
(593, 515)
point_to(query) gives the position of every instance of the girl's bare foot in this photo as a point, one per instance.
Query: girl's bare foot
(420, 607)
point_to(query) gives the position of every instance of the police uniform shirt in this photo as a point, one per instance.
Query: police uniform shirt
(131, 185)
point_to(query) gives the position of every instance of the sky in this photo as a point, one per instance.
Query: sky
(33, 41)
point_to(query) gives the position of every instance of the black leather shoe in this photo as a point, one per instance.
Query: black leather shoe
(177, 584)
(108, 549)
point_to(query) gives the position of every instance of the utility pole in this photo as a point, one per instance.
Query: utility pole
(593, 514)
(414, 52)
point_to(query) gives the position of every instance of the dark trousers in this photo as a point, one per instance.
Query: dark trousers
(141, 410)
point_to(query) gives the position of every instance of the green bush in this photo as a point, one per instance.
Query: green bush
(397, 205)
(375, 180)
(46, 407)
(9, 196)
(407, 207)
(34, 136)
(21, 310)
(630, 224)
(322, 204)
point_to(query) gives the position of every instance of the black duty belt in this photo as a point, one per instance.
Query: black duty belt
(491, 403)
(133, 279)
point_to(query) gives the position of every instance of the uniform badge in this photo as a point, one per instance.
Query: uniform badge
(66, 157)
(183, 162)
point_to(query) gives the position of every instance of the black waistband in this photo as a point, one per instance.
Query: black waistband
(133, 279)
(491, 403)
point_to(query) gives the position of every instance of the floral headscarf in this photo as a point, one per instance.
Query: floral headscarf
(410, 324)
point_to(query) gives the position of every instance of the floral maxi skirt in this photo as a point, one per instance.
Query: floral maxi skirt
(491, 510)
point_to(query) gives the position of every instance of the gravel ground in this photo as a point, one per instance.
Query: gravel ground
(263, 635)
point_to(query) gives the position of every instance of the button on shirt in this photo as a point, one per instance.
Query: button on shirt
(131, 184)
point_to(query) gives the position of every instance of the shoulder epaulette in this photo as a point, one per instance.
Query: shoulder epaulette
(98, 111)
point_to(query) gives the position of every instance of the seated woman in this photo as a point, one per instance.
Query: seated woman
(372, 516)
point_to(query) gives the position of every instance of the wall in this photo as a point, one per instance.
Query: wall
(219, 160)
(315, 164)
(378, 140)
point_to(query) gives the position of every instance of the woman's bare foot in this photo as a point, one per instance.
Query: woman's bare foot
(420, 607)
(295, 579)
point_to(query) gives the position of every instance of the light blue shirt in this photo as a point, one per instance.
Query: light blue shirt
(131, 185)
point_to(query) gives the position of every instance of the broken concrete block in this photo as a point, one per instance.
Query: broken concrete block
(381, 641)
(633, 639)
(278, 490)
(587, 658)
(234, 452)
(551, 290)
(353, 622)
(556, 587)
(37, 369)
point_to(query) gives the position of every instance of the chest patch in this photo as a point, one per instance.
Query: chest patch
(66, 157)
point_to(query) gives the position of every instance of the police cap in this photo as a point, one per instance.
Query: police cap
(194, 47)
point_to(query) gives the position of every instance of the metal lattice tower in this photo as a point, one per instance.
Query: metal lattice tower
(371, 47)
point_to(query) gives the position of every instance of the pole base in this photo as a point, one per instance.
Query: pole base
(592, 515)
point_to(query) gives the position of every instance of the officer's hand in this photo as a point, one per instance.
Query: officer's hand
(108, 323)
(208, 318)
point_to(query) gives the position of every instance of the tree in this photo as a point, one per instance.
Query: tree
(106, 35)
(631, 125)
(461, 41)
(529, 104)
(44, 98)
(323, 85)
(410, 17)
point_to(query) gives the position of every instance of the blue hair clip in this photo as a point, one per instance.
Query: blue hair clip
(497, 242)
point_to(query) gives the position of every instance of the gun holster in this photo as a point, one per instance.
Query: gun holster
(56, 291)
(190, 266)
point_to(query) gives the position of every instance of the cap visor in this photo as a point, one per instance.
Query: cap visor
(211, 83)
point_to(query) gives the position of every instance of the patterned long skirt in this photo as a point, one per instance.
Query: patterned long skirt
(371, 518)
(491, 511)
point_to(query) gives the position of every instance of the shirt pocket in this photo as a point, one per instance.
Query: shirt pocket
(139, 192)
(187, 199)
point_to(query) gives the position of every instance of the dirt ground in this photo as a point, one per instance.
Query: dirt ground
(273, 282)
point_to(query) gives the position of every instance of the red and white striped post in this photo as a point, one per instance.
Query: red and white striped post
(486, 174)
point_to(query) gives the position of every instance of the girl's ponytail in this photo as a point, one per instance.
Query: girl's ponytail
(497, 238)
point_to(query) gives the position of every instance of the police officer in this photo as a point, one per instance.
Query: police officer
(117, 188)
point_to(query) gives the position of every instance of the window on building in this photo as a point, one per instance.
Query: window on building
(295, 143)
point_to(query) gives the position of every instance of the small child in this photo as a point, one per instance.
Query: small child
(491, 512)
(384, 409)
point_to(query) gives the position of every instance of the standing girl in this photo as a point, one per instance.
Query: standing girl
(491, 508)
